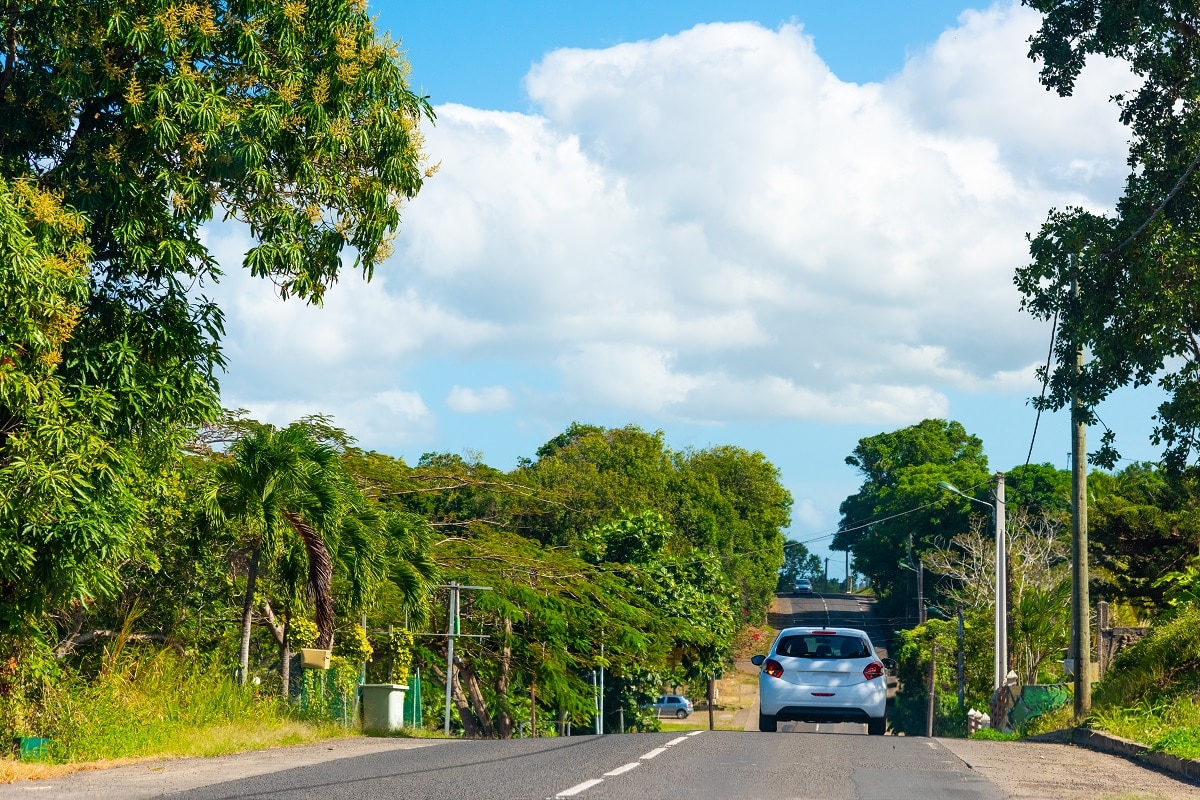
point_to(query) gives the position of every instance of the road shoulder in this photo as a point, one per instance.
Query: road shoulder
(156, 778)
(1041, 769)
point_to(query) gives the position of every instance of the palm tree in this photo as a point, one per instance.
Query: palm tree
(279, 482)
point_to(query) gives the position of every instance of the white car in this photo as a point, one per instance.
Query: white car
(822, 675)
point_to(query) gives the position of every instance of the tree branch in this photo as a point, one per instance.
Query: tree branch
(10, 48)
(68, 645)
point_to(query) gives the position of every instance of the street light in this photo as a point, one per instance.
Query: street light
(1000, 661)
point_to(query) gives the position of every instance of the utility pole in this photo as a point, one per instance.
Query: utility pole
(712, 679)
(596, 701)
(1000, 626)
(920, 592)
(452, 633)
(961, 702)
(1080, 605)
(932, 688)
(826, 588)
(1001, 664)
(601, 682)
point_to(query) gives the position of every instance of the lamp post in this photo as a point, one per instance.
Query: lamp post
(1000, 660)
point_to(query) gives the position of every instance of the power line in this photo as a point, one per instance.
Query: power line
(1158, 209)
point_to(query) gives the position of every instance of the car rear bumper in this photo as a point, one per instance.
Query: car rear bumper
(822, 714)
(789, 701)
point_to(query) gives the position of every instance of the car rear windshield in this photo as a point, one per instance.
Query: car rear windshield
(823, 646)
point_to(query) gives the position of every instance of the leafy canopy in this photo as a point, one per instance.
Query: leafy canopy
(900, 511)
(125, 127)
(1136, 269)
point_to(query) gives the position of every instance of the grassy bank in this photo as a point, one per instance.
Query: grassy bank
(153, 707)
(1151, 694)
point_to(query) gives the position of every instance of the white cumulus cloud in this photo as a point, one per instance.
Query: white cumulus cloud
(710, 226)
(476, 401)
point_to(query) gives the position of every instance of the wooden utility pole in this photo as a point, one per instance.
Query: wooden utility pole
(1081, 620)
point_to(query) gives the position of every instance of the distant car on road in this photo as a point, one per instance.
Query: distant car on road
(822, 675)
(803, 586)
(672, 705)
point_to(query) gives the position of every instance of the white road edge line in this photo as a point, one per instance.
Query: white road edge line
(674, 742)
(621, 770)
(658, 751)
(579, 787)
(695, 733)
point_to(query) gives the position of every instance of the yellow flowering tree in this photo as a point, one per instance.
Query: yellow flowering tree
(126, 126)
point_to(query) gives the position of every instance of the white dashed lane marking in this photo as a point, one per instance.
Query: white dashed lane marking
(621, 770)
(580, 787)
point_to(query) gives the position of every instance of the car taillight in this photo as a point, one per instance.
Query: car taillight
(773, 668)
(873, 670)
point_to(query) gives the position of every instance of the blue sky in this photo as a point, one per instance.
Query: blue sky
(478, 53)
(782, 226)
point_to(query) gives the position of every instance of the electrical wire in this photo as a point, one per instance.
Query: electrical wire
(1158, 210)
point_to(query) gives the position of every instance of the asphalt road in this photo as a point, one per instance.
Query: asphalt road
(705, 765)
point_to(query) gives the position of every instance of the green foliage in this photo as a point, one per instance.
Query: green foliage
(302, 632)
(1149, 692)
(901, 472)
(1167, 726)
(353, 645)
(992, 735)
(395, 652)
(124, 126)
(67, 510)
(142, 705)
(1144, 528)
(913, 650)
(723, 500)
(798, 562)
(1160, 666)
(1135, 269)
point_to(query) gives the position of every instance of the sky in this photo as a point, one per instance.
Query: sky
(783, 226)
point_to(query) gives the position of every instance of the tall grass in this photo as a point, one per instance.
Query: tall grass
(1151, 693)
(163, 706)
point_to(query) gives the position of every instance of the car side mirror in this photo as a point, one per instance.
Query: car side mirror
(888, 663)
(757, 660)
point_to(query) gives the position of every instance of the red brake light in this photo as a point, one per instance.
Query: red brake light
(773, 668)
(873, 670)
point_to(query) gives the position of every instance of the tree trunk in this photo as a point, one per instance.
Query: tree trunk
(280, 632)
(470, 724)
(504, 719)
(320, 577)
(248, 616)
(478, 704)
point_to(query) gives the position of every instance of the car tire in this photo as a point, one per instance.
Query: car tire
(876, 727)
(767, 723)
(681, 714)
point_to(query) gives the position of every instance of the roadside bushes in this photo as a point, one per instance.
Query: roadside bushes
(1162, 666)
(1151, 693)
(146, 704)
(914, 648)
